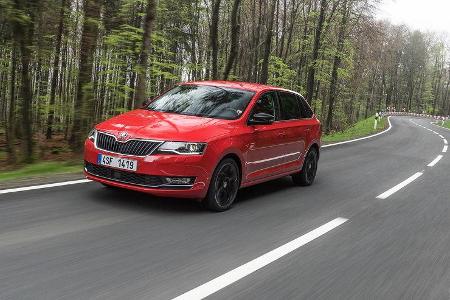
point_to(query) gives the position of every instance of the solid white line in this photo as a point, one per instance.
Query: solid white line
(363, 138)
(399, 186)
(435, 161)
(240, 272)
(444, 150)
(43, 186)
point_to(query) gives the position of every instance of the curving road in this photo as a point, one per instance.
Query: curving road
(389, 194)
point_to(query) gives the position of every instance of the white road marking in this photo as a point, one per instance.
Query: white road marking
(444, 150)
(244, 270)
(441, 136)
(43, 186)
(435, 161)
(399, 186)
(363, 138)
(445, 142)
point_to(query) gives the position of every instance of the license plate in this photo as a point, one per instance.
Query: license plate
(117, 162)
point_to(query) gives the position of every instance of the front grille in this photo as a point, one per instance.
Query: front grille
(124, 176)
(131, 147)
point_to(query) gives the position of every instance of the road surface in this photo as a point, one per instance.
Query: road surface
(387, 198)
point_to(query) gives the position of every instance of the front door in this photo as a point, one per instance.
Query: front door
(267, 150)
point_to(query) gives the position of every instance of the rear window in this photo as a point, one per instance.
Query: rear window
(306, 111)
(290, 106)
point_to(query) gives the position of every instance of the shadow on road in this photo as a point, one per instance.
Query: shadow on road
(131, 200)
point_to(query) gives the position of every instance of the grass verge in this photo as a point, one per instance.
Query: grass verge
(41, 169)
(360, 129)
(445, 125)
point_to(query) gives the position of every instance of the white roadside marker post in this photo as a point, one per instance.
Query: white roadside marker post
(375, 124)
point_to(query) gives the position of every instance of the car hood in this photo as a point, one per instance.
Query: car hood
(147, 124)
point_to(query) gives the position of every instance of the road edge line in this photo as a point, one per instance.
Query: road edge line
(362, 138)
(43, 186)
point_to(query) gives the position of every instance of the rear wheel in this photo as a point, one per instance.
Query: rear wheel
(223, 187)
(307, 174)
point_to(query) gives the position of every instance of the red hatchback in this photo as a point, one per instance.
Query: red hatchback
(206, 140)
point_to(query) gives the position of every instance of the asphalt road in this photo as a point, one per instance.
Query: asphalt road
(85, 241)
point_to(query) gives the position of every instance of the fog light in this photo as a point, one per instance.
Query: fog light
(180, 180)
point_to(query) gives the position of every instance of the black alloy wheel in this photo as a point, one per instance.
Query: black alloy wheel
(308, 173)
(223, 187)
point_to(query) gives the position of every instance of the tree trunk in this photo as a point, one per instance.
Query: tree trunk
(55, 72)
(23, 37)
(315, 53)
(10, 121)
(336, 66)
(213, 36)
(235, 28)
(84, 101)
(141, 86)
(267, 45)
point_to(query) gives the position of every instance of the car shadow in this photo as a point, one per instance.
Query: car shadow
(142, 202)
(256, 192)
(136, 201)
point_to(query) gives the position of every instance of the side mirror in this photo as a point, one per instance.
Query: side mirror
(261, 119)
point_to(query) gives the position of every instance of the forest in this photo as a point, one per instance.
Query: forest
(68, 64)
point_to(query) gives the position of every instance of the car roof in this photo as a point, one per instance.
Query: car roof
(249, 86)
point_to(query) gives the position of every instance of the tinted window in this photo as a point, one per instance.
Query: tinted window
(306, 111)
(203, 101)
(267, 103)
(290, 106)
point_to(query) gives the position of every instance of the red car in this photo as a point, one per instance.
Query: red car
(205, 140)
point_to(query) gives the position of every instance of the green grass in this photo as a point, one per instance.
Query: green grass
(446, 124)
(41, 169)
(360, 129)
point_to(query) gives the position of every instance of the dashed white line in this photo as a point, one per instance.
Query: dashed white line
(445, 142)
(43, 186)
(444, 150)
(399, 186)
(435, 161)
(244, 270)
(441, 136)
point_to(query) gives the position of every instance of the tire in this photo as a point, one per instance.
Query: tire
(223, 187)
(308, 172)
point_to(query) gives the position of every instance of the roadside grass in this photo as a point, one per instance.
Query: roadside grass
(360, 129)
(445, 125)
(42, 169)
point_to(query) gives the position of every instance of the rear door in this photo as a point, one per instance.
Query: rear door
(295, 129)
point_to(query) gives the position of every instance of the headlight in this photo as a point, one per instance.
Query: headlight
(182, 148)
(92, 135)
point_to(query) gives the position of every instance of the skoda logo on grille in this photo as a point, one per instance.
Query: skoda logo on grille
(122, 137)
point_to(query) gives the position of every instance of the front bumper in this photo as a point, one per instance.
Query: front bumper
(150, 170)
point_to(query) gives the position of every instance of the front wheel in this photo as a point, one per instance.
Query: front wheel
(223, 187)
(307, 174)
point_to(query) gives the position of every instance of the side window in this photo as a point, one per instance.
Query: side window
(290, 106)
(306, 111)
(268, 104)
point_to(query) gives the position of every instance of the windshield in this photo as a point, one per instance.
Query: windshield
(203, 101)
